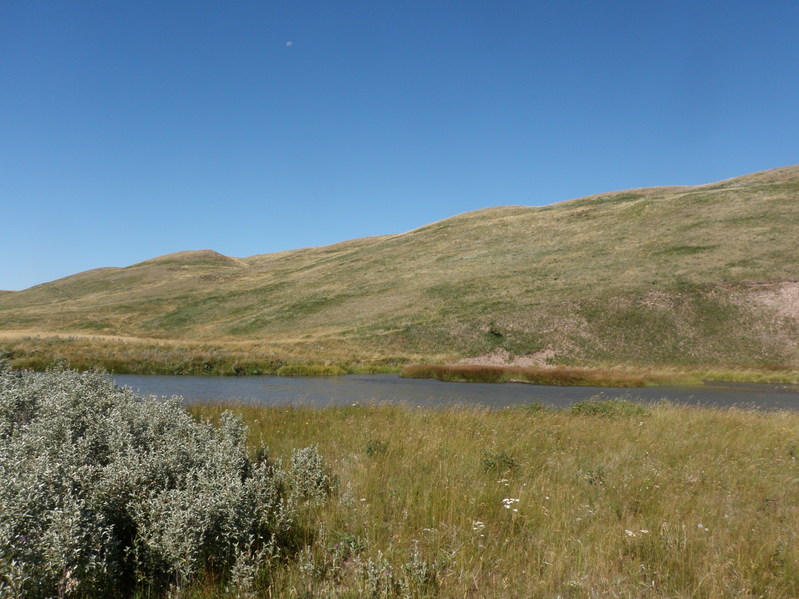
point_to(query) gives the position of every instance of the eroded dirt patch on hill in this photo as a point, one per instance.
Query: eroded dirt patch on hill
(502, 357)
(777, 305)
(780, 298)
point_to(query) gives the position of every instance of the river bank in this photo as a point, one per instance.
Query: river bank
(130, 355)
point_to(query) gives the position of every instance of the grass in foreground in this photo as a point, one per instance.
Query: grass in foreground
(607, 499)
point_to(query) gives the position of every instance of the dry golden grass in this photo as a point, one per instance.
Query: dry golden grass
(610, 500)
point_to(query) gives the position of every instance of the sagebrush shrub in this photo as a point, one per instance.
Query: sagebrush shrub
(104, 491)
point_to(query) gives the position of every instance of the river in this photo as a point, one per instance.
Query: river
(377, 388)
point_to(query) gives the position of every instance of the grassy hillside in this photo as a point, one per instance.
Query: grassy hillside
(678, 276)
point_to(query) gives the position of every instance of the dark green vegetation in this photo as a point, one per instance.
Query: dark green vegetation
(687, 278)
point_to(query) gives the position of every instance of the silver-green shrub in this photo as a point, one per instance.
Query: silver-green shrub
(104, 491)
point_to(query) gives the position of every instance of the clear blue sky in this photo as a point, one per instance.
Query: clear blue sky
(134, 129)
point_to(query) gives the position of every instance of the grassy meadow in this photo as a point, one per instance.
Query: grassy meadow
(608, 499)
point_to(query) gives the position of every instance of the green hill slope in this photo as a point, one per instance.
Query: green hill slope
(705, 275)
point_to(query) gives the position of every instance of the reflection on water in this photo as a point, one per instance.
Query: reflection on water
(376, 388)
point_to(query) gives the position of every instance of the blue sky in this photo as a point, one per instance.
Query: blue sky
(130, 130)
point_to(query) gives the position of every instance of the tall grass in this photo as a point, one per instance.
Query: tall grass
(608, 499)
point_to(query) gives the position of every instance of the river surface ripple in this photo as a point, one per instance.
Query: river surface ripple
(377, 388)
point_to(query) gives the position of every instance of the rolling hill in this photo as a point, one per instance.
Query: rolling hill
(669, 276)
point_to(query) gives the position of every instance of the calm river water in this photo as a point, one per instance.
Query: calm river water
(376, 388)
